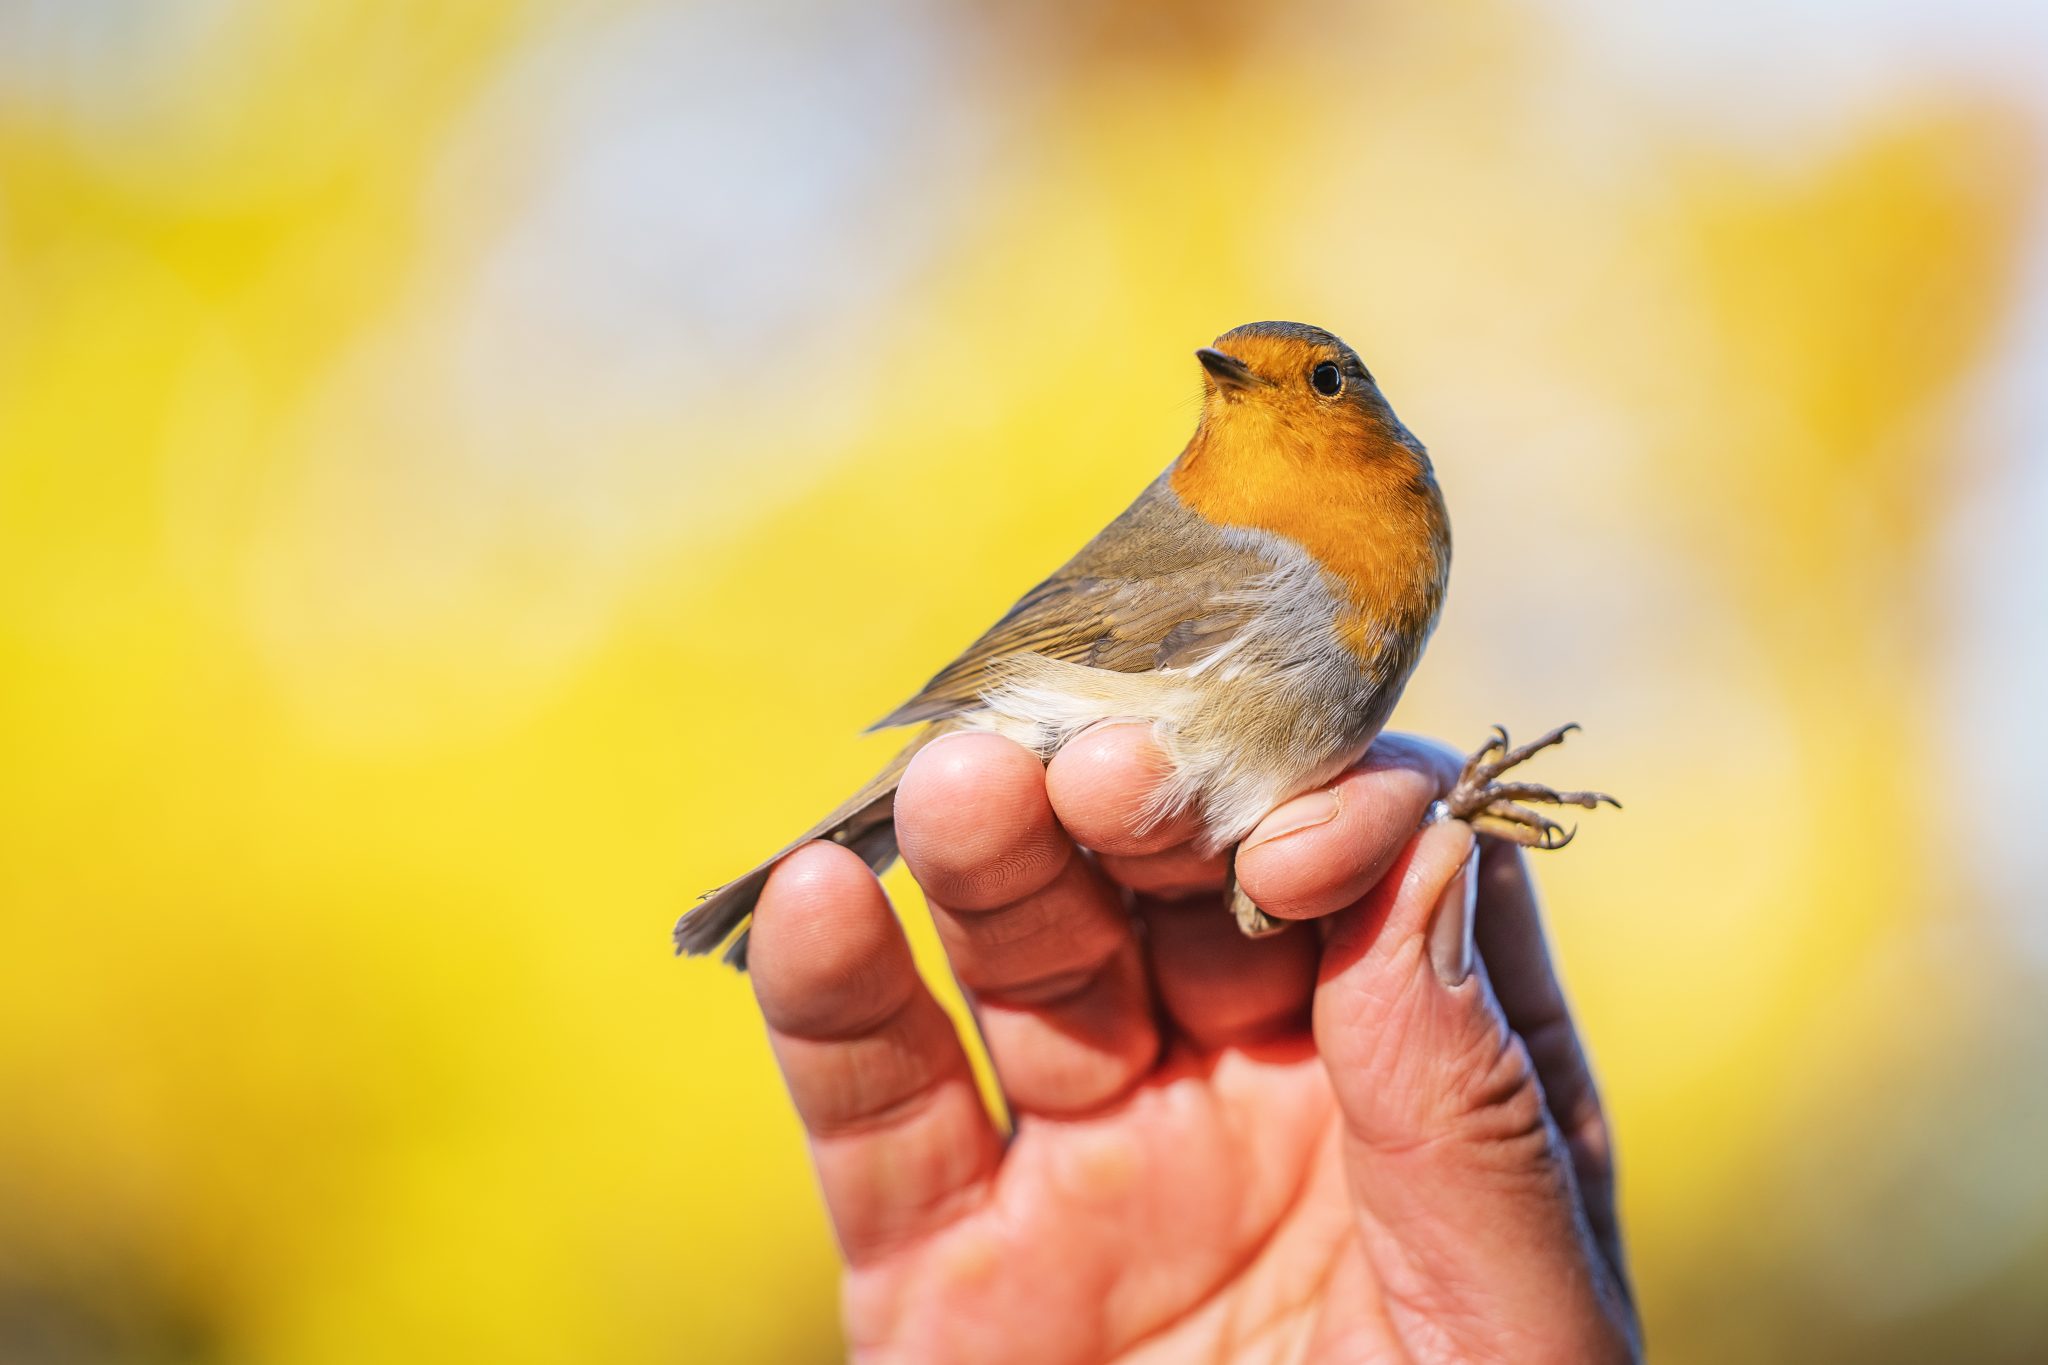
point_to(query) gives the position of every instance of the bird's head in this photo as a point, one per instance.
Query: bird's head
(1296, 440)
(1293, 385)
(1296, 401)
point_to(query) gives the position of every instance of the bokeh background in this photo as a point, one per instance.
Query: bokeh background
(468, 471)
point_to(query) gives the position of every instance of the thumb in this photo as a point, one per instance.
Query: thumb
(1463, 1189)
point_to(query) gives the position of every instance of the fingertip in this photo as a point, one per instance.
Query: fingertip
(1100, 783)
(973, 822)
(827, 956)
(1295, 867)
(958, 774)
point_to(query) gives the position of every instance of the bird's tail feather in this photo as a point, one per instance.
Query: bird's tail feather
(865, 823)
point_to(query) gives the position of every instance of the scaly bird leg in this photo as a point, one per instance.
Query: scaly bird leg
(1495, 807)
(1251, 921)
(1488, 806)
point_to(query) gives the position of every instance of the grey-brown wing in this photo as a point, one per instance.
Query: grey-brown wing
(1158, 588)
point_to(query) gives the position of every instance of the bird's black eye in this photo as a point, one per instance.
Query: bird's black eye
(1328, 379)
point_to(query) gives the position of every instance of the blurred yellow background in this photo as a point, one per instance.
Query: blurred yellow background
(468, 471)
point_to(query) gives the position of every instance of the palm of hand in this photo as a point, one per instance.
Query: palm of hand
(1201, 1218)
(1359, 1144)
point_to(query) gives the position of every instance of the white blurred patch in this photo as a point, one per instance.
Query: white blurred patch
(1995, 661)
(662, 261)
(106, 69)
(1781, 75)
(713, 205)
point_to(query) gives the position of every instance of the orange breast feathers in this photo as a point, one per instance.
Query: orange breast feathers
(1361, 499)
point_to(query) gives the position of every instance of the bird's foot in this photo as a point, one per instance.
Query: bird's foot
(1251, 921)
(1498, 808)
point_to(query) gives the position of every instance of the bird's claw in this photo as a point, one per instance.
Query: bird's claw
(1496, 808)
(1252, 922)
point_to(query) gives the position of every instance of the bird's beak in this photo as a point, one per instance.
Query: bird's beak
(1228, 370)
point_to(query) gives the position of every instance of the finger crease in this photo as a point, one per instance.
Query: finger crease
(865, 1026)
(891, 1115)
(1049, 991)
(998, 872)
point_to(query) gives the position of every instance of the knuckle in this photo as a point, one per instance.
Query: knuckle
(993, 878)
(1067, 930)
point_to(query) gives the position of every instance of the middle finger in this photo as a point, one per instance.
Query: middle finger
(1038, 939)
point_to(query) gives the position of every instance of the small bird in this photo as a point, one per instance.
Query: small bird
(1262, 604)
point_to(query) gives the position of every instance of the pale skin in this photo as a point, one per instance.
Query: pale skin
(1330, 1144)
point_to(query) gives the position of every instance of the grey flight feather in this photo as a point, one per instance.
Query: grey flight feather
(866, 823)
(1157, 588)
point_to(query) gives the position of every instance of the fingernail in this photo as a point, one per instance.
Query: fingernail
(1303, 812)
(1450, 933)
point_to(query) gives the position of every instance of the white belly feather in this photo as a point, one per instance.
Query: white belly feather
(1279, 706)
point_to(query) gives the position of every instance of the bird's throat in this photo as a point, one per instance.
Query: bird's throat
(1372, 517)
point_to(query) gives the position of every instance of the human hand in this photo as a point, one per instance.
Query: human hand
(1355, 1140)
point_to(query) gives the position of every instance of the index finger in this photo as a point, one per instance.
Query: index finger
(1311, 857)
(1043, 946)
(1325, 849)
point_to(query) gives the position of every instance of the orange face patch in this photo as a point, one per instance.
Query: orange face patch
(1336, 475)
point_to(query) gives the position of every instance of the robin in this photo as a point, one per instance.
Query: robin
(1262, 604)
